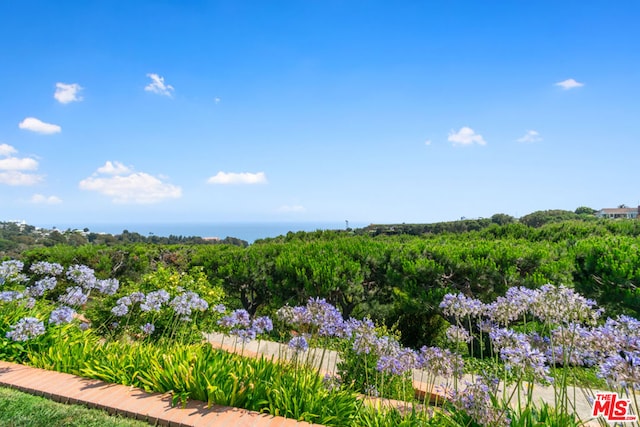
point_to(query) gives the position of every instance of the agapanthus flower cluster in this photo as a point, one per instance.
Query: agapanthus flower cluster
(41, 286)
(516, 302)
(523, 359)
(74, 296)
(154, 300)
(9, 296)
(186, 302)
(316, 317)
(11, 271)
(26, 329)
(237, 319)
(399, 363)
(62, 315)
(458, 335)
(82, 276)
(120, 310)
(45, 268)
(147, 328)
(240, 324)
(363, 333)
(107, 286)
(440, 362)
(298, 344)
(460, 306)
(572, 344)
(559, 304)
(476, 401)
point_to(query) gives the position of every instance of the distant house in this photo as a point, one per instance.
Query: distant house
(623, 212)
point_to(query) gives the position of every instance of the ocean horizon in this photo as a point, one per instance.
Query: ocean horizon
(248, 231)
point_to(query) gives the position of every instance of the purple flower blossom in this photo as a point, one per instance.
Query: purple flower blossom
(559, 304)
(147, 328)
(11, 271)
(82, 276)
(262, 324)
(298, 344)
(120, 310)
(154, 300)
(220, 308)
(62, 315)
(440, 362)
(184, 303)
(45, 268)
(25, 329)
(364, 335)
(461, 306)
(476, 401)
(398, 364)
(237, 319)
(125, 300)
(458, 335)
(137, 297)
(107, 286)
(9, 296)
(74, 296)
(41, 286)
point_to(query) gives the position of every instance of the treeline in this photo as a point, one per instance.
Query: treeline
(398, 280)
(16, 238)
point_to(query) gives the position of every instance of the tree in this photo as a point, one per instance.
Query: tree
(585, 210)
(502, 219)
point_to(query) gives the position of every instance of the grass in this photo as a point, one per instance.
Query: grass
(22, 409)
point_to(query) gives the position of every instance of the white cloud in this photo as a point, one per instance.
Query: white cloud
(66, 93)
(569, 84)
(465, 136)
(427, 142)
(38, 126)
(238, 178)
(44, 200)
(294, 209)
(530, 136)
(18, 164)
(19, 178)
(217, 100)
(157, 85)
(113, 168)
(7, 150)
(138, 187)
(11, 168)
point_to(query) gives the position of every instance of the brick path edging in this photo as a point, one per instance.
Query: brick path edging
(132, 402)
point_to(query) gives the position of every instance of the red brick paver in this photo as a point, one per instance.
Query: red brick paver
(130, 401)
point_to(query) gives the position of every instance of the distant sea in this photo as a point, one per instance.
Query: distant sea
(249, 231)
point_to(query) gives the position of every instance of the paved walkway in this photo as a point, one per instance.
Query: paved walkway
(132, 402)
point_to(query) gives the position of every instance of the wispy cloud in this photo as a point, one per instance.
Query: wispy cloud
(427, 142)
(465, 136)
(35, 125)
(124, 186)
(530, 136)
(13, 170)
(66, 93)
(217, 100)
(569, 84)
(39, 199)
(238, 178)
(158, 86)
(292, 209)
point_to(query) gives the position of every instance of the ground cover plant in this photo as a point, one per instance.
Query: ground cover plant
(149, 334)
(18, 409)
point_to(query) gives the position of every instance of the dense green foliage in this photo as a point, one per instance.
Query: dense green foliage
(397, 280)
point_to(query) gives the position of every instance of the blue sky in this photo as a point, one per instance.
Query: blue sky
(371, 111)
